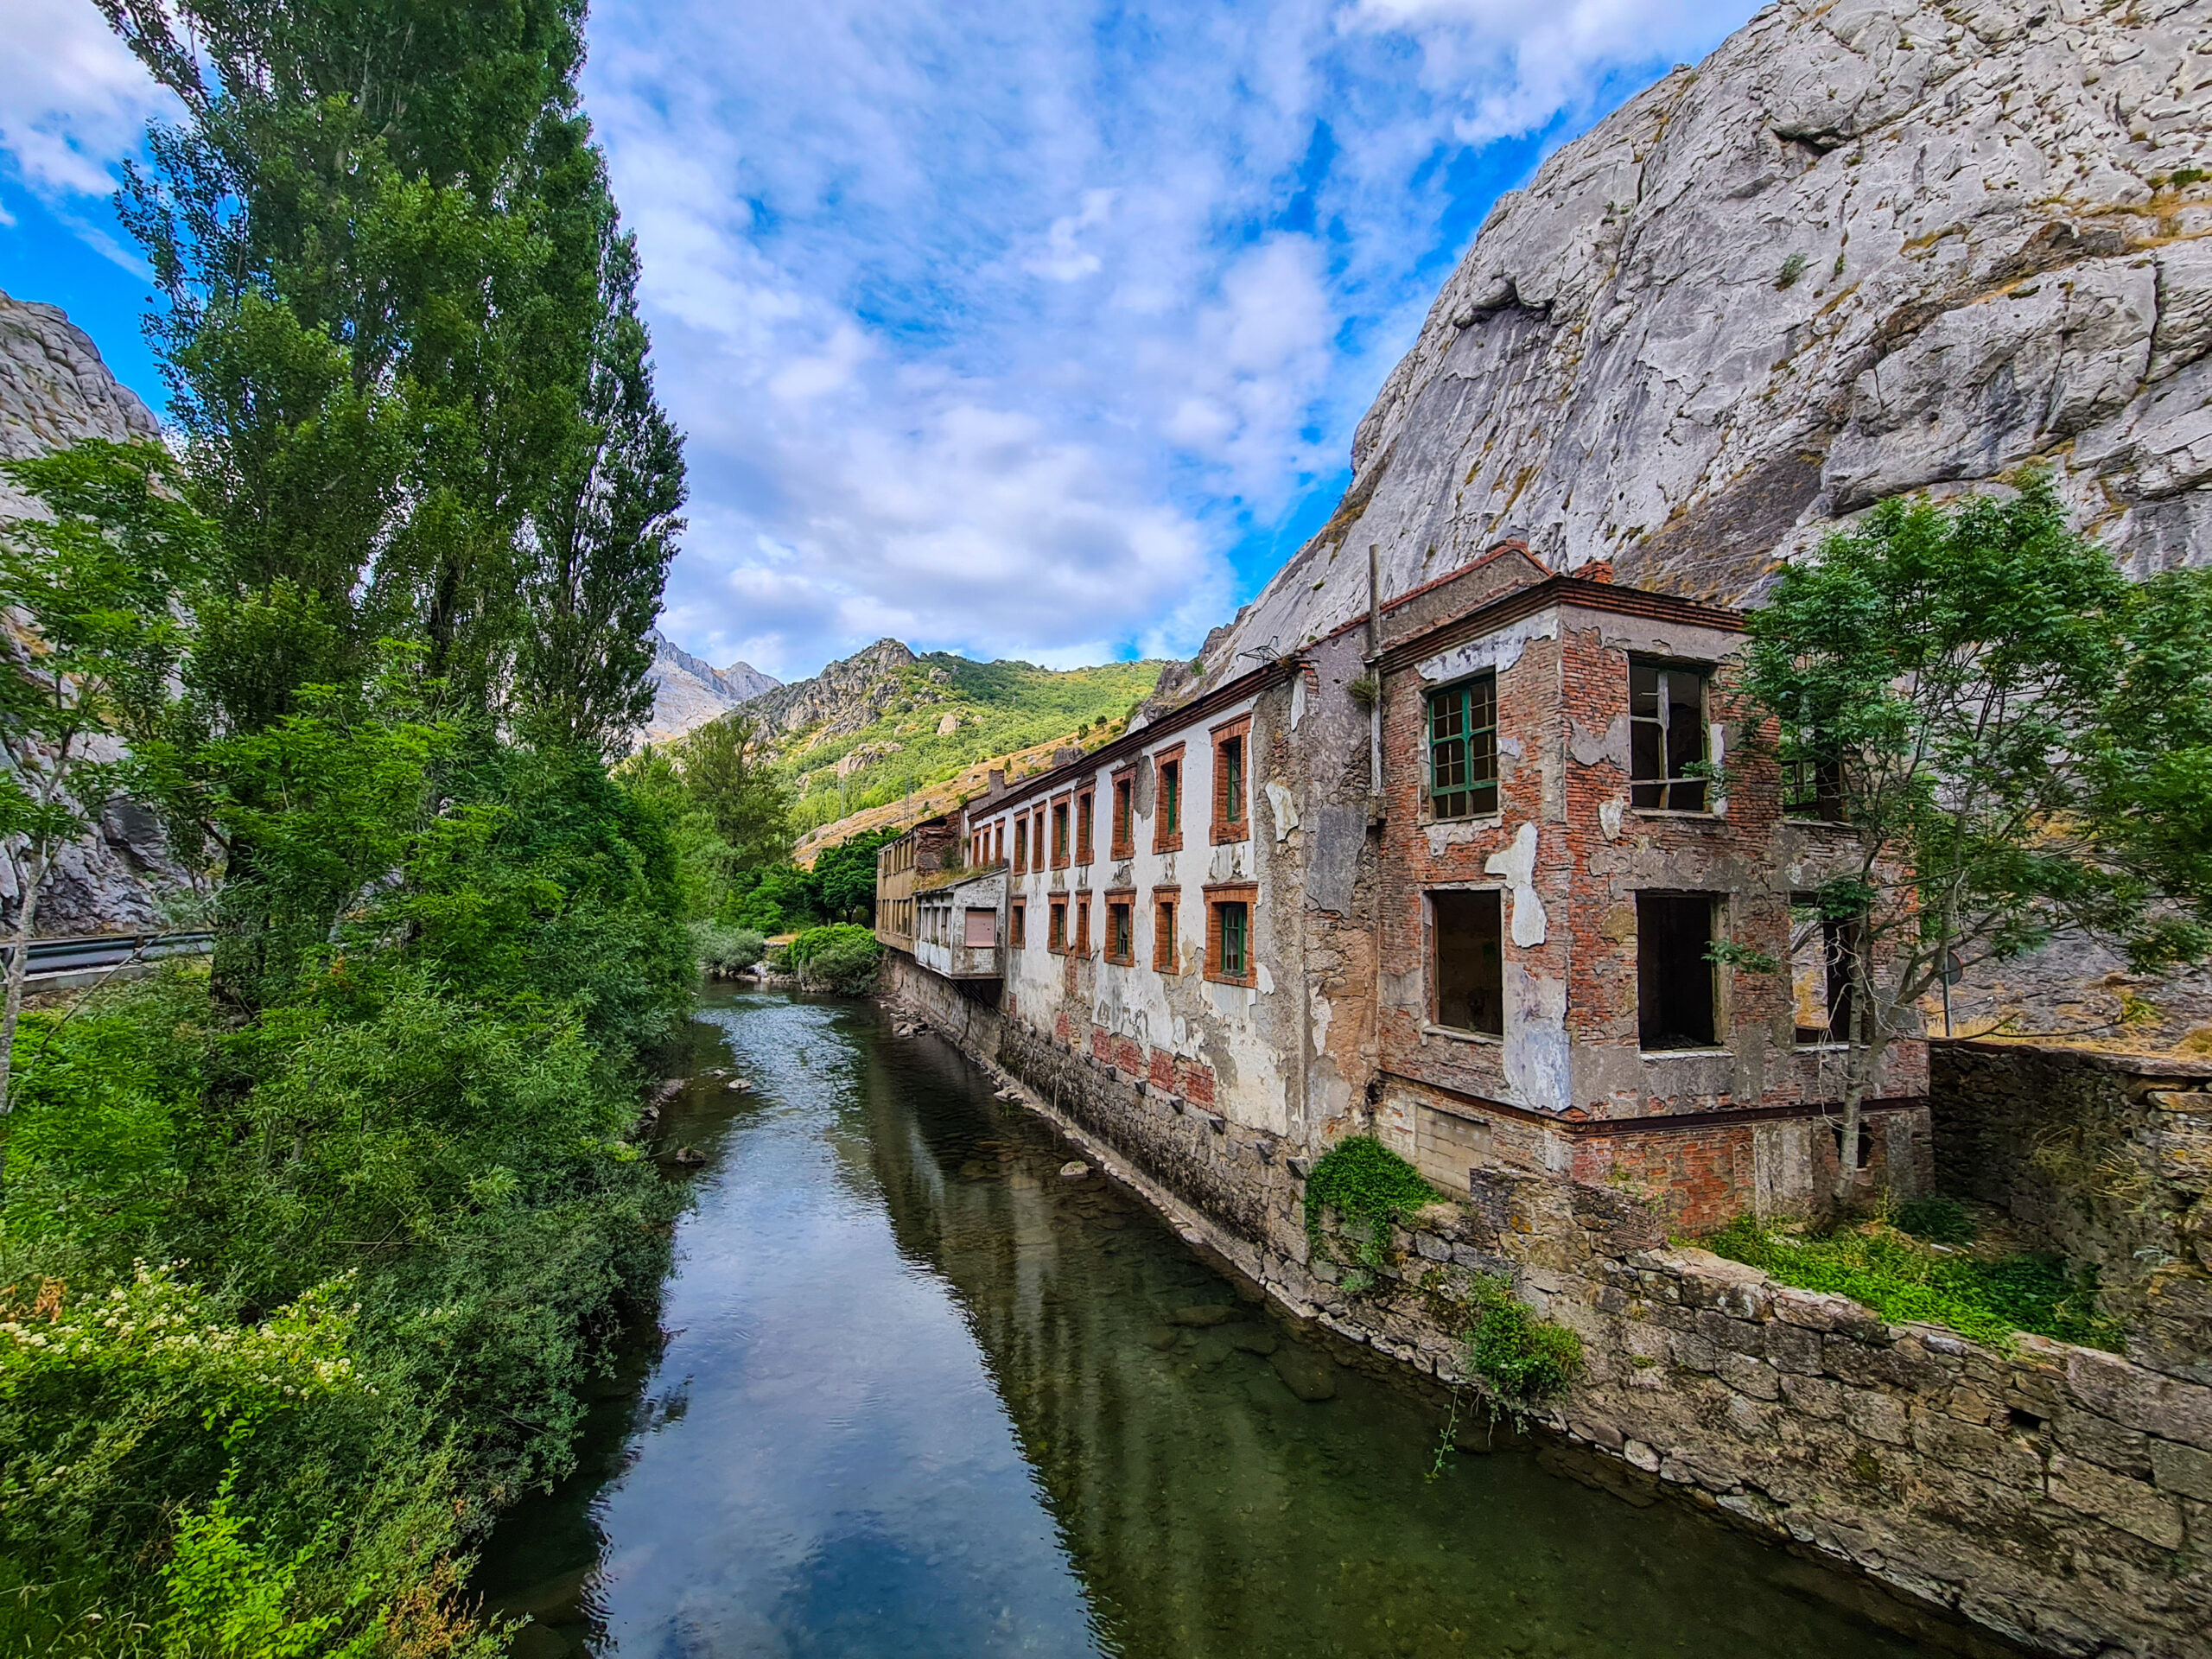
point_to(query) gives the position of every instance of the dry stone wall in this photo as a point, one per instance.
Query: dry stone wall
(2104, 1159)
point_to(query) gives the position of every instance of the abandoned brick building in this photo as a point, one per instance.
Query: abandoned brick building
(1454, 871)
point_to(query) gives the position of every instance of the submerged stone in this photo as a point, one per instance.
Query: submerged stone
(1310, 1376)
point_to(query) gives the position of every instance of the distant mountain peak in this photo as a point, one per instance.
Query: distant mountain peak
(688, 692)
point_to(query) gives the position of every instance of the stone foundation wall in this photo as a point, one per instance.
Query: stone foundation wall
(2104, 1159)
(2056, 1495)
(969, 1017)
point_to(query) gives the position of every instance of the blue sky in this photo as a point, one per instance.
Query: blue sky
(1016, 329)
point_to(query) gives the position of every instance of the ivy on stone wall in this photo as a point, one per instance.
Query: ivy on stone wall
(1368, 1186)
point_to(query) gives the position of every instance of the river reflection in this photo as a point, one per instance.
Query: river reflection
(920, 1396)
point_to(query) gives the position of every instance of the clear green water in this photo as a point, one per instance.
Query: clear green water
(920, 1396)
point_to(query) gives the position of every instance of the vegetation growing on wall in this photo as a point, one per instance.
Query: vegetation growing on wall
(1522, 1358)
(1987, 1299)
(1368, 1186)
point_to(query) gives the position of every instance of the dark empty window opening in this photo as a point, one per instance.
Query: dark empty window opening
(1121, 931)
(1463, 749)
(1866, 1142)
(1674, 974)
(1824, 953)
(1467, 961)
(1813, 789)
(1666, 707)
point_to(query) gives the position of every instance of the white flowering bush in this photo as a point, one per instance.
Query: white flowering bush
(167, 1336)
(154, 1383)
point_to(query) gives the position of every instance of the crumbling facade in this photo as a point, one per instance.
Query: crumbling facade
(1457, 873)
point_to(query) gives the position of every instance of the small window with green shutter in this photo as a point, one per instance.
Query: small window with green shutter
(1463, 749)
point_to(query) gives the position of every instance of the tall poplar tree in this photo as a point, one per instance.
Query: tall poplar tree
(403, 349)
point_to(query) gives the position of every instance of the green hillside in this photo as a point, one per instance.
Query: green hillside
(998, 708)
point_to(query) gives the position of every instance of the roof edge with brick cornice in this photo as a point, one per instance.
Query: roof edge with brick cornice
(1132, 744)
(1578, 591)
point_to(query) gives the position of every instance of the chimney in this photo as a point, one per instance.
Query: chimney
(998, 780)
(1066, 757)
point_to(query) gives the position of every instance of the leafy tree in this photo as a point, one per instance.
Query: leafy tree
(96, 585)
(594, 586)
(401, 342)
(844, 875)
(728, 779)
(2012, 739)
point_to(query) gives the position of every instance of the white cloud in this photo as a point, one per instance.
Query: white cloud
(1514, 66)
(74, 102)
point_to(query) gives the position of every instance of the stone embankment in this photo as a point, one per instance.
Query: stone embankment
(2058, 1495)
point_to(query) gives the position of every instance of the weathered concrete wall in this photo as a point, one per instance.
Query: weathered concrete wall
(2058, 1495)
(2105, 1159)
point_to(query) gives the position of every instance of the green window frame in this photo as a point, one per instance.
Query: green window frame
(1235, 939)
(1171, 799)
(1463, 749)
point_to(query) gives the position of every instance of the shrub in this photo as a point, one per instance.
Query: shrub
(1522, 1359)
(1368, 1186)
(724, 949)
(840, 957)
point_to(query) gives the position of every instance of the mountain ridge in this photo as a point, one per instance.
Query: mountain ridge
(687, 691)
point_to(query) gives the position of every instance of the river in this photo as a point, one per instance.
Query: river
(918, 1394)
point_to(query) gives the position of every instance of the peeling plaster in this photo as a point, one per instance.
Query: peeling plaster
(1589, 748)
(1499, 651)
(1286, 808)
(1297, 700)
(1537, 1054)
(1267, 979)
(1608, 816)
(1517, 864)
(1458, 832)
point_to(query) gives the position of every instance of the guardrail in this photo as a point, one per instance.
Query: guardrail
(93, 952)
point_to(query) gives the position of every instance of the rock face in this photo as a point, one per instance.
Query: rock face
(848, 696)
(1866, 247)
(688, 692)
(56, 390)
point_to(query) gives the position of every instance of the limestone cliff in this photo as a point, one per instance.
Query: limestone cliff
(689, 692)
(1866, 247)
(56, 390)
